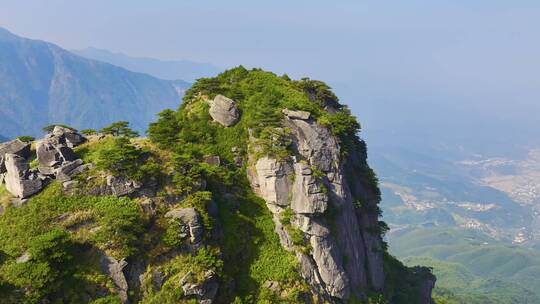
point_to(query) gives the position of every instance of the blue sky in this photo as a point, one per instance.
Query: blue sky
(387, 59)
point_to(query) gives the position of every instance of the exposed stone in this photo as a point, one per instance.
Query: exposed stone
(148, 206)
(20, 181)
(64, 172)
(114, 269)
(16, 147)
(272, 181)
(121, 186)
(224, 111)
(70, 186)
(308, 196)
(23, 258)
(297, 114)
(189, 218)
(72, 138)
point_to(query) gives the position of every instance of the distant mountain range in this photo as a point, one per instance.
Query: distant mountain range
(41, 84)
(180, 69)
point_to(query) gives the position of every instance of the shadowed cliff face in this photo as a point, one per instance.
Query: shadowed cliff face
(41, 84)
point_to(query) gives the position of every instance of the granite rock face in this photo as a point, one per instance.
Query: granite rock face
(20, 180)
(312, 183)
(16, 147)
(224, 111)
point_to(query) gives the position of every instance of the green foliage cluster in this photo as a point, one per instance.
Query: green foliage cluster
(88, 132)
(119, 128)
(61, 237)
(26, 138)
(119, 156)
(472, 267)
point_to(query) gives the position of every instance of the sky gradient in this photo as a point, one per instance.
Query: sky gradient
(474, 60)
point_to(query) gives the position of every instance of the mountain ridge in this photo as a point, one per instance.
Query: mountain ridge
(44, 84)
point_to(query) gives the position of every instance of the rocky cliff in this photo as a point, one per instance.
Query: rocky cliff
(257, 190)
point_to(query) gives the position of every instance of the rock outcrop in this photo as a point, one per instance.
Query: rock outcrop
(344, 252)
(224, 111)
(55, 157)
(20, 180)
(114, 269)
(16, 147)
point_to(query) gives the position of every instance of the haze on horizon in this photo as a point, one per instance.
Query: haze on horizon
(457, 70)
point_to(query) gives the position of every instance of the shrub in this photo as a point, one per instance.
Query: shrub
(88, 132)
(26, 138)
(120, 128)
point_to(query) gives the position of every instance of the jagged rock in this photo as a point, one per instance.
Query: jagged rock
(70, 186)
(297, 114)
(191, 223)
(224, 111)
(16, 147)
(114, 269)
(121, 186)
(72, 138)
(205, 292)
(20, 180)
(64, 172)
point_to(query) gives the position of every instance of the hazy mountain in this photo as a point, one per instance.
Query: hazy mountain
(41, 83)
(180, 69)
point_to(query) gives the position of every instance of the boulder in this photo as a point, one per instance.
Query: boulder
(16, 147)
(190, 221)
(71, 137)
(224, 111)
(121, 186)
(296, 114)
(63, 173)
(20, 181)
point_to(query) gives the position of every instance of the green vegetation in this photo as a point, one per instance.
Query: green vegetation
(119, 156)
(120, 128)
(26, 138)
(88, 132)
(472, 267)
(62, 235)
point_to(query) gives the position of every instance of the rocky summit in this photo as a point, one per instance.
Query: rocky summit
(256, 190)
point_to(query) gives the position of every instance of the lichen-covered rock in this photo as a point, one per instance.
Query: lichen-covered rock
(20, 180)
(224, 111)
